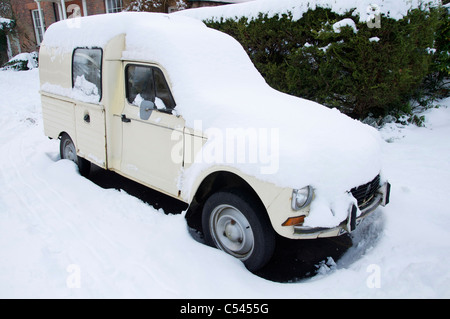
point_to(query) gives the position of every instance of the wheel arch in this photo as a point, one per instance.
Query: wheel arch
(83, 164)
(218, 181)
(63, 133)
(72, 137)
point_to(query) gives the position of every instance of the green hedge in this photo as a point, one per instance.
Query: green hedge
(350, 71)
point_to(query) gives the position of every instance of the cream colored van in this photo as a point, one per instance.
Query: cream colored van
(155, 98)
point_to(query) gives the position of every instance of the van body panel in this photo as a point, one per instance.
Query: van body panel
(113, 95)
(58, 116)
(90, 132)
(55, 67)
(147, 148)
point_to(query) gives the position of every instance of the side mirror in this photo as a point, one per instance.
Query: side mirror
(145, 109)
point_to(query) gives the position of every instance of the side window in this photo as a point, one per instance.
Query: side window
(38, 24)
(162, 89)
(140, 84)
(148, 83)
(87, 71)
(113, 6)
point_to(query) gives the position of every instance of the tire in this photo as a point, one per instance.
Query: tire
(238, 225)
(68, 151)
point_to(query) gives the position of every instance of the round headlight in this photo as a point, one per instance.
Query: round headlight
(301, 197)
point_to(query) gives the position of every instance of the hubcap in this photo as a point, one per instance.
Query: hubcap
(231, 231)
(69, 151)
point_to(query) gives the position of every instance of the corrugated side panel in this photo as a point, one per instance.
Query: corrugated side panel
(58, 116)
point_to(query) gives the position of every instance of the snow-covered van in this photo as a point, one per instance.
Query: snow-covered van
(179, 107)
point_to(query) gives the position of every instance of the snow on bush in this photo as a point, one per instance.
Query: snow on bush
(344, 23)
(22, 62)
(329, 55)
(6, 24)
(365, 9)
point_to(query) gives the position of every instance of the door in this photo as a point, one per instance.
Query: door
(90, 136)
(89, 111)
(151, 134)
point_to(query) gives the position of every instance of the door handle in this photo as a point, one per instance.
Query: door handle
(125, 119)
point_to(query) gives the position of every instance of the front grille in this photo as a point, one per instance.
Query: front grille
(364, 193)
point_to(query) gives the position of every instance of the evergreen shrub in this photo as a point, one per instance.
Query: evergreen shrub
(22, 62)
(375, 71)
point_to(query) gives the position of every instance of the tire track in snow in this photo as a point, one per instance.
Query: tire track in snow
(47, 207)
(39, 206)
(13, 183)
(68, 206)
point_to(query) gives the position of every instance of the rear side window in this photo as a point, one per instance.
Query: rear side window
(87, 72)
(148, 83)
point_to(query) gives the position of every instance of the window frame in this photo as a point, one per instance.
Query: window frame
(114, 9)
(152, 67)
(101, 68)
(36, 17)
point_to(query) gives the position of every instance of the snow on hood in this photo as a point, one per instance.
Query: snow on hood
(300, 142)
(217, 88)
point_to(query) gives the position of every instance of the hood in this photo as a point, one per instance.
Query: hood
(290, 142)
(285, 140)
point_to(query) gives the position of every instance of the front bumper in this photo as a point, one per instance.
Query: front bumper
(381, 198)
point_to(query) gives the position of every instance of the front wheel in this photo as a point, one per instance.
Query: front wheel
(68, 151)
(237, 225)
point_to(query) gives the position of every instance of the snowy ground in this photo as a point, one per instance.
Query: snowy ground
(62, 236)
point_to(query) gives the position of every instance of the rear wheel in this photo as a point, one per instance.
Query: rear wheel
(237, 225)
(68, 151)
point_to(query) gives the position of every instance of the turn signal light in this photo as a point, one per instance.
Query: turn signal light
(291, 221)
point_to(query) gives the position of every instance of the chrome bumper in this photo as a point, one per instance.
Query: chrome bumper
(352, 221)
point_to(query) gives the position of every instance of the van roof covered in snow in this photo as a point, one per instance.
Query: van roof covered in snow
(97, 30)
(195, 57)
